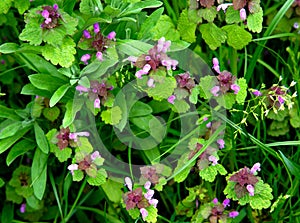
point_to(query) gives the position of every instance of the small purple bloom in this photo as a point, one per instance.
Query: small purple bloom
(86, 34)
(147, 185)
(81, 89)
(132, 59)
(221, 143)
(168, 63)
(233, 214)
(146, 68)
(55, 7)
(23, 208)
(150, 83)
(208, 125)
(281, 100)
(223, 6)
(226, 203)
(149, 194)
(296, 25)
(213, 159)
(99, 56)
(215, 91)
(74, 135)
(235, 88)
(257, 93)
(171, 99)
(144, 213)
(96, 27)
(243, 14)
(153, 202)
(255, 168)
(250, 189)
(2, 61)
(215, 201)
(45, 13)
(216, 66)
(112, 35)
(73, 167)
(85, 58)
(128, 183)
(97, 103)
(95, 155)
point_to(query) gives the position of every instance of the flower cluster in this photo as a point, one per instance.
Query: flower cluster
(97, 92)
(51, 16)
(95, 42)
(66, 138)
(245, 180)
(218, 213)
(226, 81)
(87, 163)
(155, 58)
(140, 198)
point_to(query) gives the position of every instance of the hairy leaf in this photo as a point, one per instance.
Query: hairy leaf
(186, 28)
(254, 21)
(212, 35)
(238, 38)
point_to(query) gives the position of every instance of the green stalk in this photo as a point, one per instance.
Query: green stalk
(267, 33)
(233, 61)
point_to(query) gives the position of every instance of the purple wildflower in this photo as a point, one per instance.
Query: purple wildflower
(216, 66)
(147, 185)
(153, 202)
(213, 159)
(149, 173)
(185, 82)
(243, 14)
(281, 100)
(224, 6)
(128, 183)
(97, 103)
(135, 198)
(72, 167)
(112, 35)
(171, 99)
(96, 28)
(226, 80)
(23, 208)
(144, 213)
(74, 135)
(221, 143)
(55, 7)
(255, 168)
(233, 214)
(150, 83)
(215, 91)
(85, 58)
(250, 189)
(215, 200)
(99, 56)
(81, 89)
(226, 203)
(149, 194)
(95, 155)
(235, 88)
(51, 16)
(257, 93)
(296, 25)
(86, 34)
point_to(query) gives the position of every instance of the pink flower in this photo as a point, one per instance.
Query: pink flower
(250, 189)
(96, 28)
(73, 167)
(144, 213)
(95, 155)
(257, 93)
(85, 58)
(215, 201)
(112, 35)
(150, 83)
(149, 194)
(213, 159)
(147, 185)
(86, 34)
(128, 183)
(243, 14)
(153, 202)
(23, 208)
(171, 99)
(74, 135)
(255, 168)
(215, 91)
(233, 214)
(55, 7)
(99, 56)
(97, 103)
(226, 203)
(216, 66)
(235, 88)
(221, 143)
(81, 89)
(223, 6)
(281, 100)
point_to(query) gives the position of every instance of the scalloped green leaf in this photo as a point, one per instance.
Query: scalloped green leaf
(168, 31)
(237, 37)
(134, 213)
(99, 179)
(211, 172)
(62, 55)
(112, 115)
(152, 214)
(113, 190)
(77, 175)
(5, 6)
(186, 28)
(212, 35)
(180, 106)
(183, 174)
(11, 195)
(242, 94)
(51, 113)
(255, 20)
(21, 5)
(232, 16)
(164, 87)
(227, 100)
(205, 85)
(262, 196)
(209, 14)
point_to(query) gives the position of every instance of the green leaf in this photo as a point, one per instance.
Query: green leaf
(164, 87)
(205, 85)
(99, 179)
(262, 196)
(211, 172)
(89, 7)
(10, 129)
(134, 213)
(180, 106)
(255, 20)
(2, 183)
(232, 16)
(9, 48)
(293, 167)
(149, 23)
(137, 7)
(237, 37)
(72, 107)
(65, 51)
(8, 209)
(58, 94)
(140, 109)
(8, 142)
(34, 203)
(19, 149)
(193, 98)
(112, 115)
(168, 31)
(78, 175)
(152, 214)
(11, 195)
(113, 190)
(39, 173)
(212, 35)
(186, 28)
(8, 113)
(21, 5)
(227, 100)
(21, 189)
(51, 113)
(242, 94)
(182, 175)
(133, 47)
(97, 68)
(85, 146)
(40, 138)
(209, 14)
(4, 7)
(45, 82)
